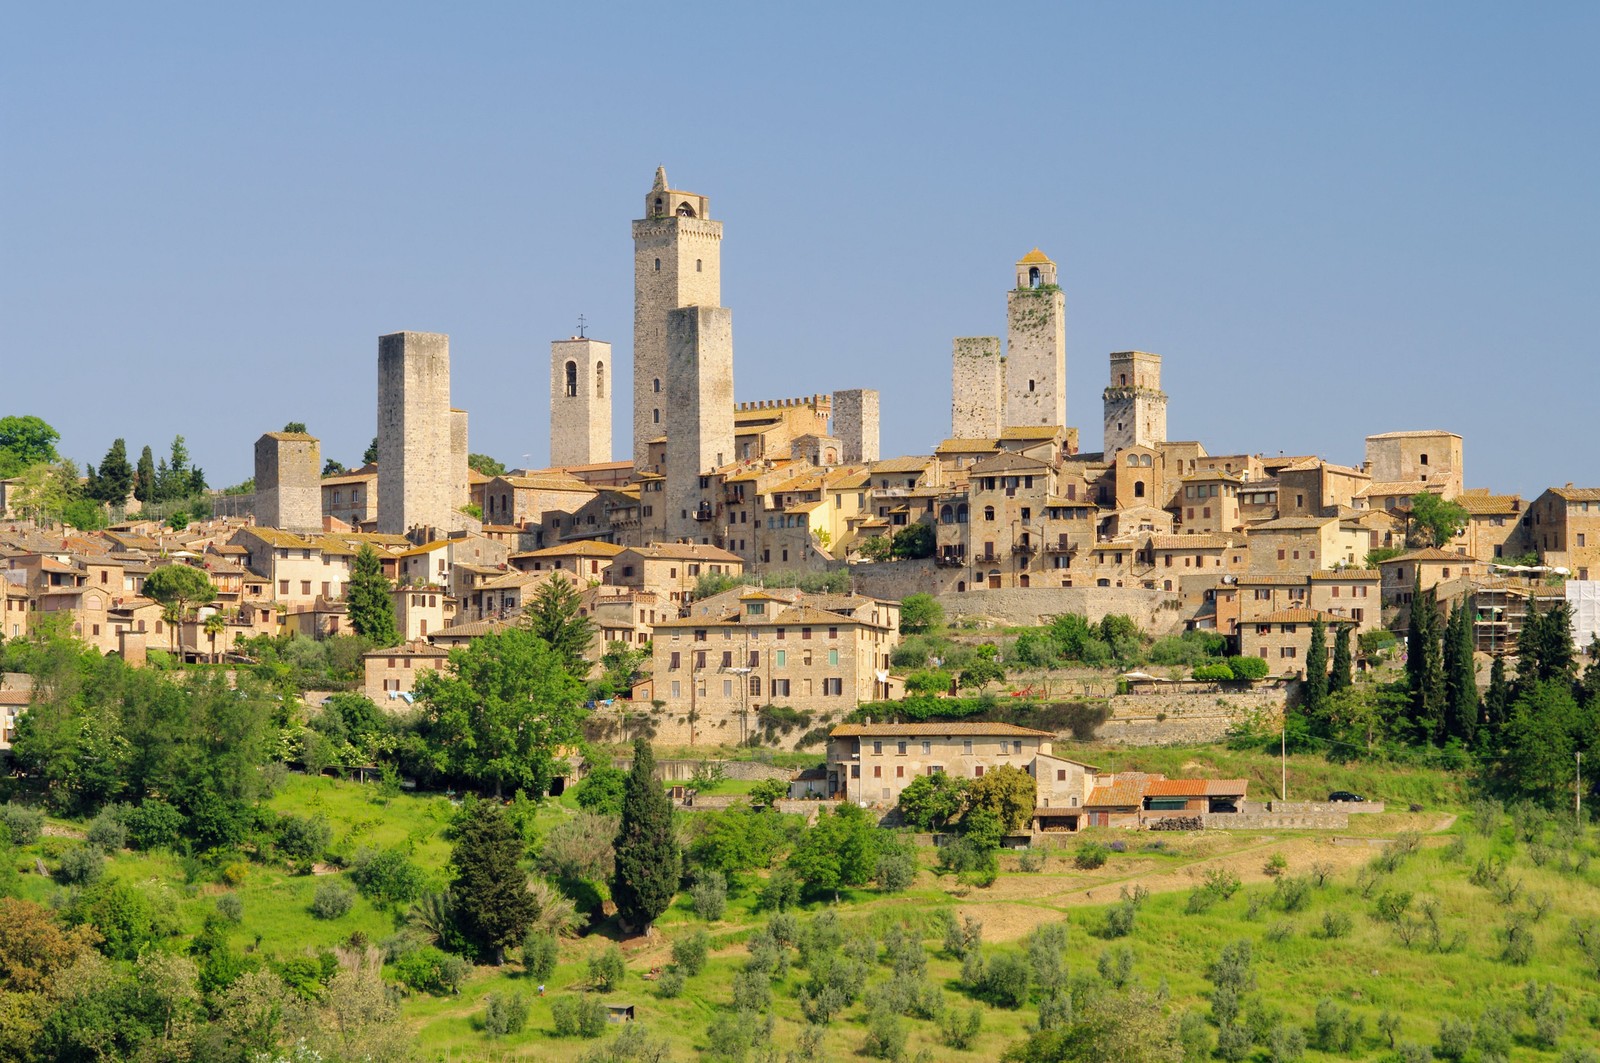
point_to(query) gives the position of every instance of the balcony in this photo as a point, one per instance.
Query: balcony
(1024, 547)
(705, 511)
(1061, 546)
(950, 558)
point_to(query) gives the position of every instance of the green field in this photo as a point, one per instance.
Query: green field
(1366, 967)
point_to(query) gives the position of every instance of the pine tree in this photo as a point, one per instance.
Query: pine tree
(115, 477)
(554, 616)
(647, 866)
(144, 482)
(1340, 677)
(1314, 690)
(367, 600)
(489, 895)
(370, 455)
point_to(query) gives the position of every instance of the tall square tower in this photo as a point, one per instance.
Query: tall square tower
(580, 401)
(289, 481)
(1135, 405)
(699, 415)
(1036, 346)
(855, 424)
(977, 387)
(418, 436)
(677, 262)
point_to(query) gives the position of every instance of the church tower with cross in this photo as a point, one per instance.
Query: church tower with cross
(580, 400)
(677, 263)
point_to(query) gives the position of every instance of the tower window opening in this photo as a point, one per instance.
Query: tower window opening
(1033, 276)
(697, 265)
(572, 380)
(599, 380)
(655, 416)
(1123, 378)
(1138, 489)
(685, 211)
(658, 265)
(655, 385)
(1424, 459)
(1030, 386)
(658, 204)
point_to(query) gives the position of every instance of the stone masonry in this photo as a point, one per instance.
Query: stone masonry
(289, 481)
(1036, 346)
(1135, 405)
(977, 385)
(677, 262)
(699, 415)
(416, 430)
(580, 401)
(855, 424)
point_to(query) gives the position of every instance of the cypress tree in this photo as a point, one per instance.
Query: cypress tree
(1340, 677)
(1497, 699)
(115, 477)
(1460, 677)
(1425, 668)
(1315, 688)
(646, 877)
(144, 480)
(368, 603)
(489, 895)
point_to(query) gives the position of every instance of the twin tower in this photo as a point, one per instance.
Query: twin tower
(1026, 385)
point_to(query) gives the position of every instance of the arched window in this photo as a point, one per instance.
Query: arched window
(697, 266)
(988, 513)
(659, 204)
(1133, 459)
(1033, 276)
(655, 416)
(599, 380)
(947, 514)
(658, 265)
(572, 380)
(1424, 459)
(1144, 459)
(685, 211)
(1138, 489)
(961, 513)
(961, 585)
(1123, 379)
(655, 385)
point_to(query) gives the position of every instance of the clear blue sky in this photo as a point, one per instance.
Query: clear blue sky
(1331, 220)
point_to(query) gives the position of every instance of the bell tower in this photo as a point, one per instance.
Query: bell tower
(1036, 346)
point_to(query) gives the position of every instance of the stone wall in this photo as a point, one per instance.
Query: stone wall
(855, 422)
(699, 412)
(977, 387)
(1318, 807)
(1274, 820)
(1155, 611)
(682, 770)
(1180, 719)
(288, 482)
(1036, 357)
(677, 261)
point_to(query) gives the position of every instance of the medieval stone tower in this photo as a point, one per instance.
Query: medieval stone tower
(698, 415)
(1135, 405)
(977, 387)
(289, 482)
(1036, 346)
(677, 262)
(855, 424)
(580, 401)
(422, 442)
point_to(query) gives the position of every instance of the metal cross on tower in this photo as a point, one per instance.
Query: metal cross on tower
(582, 323)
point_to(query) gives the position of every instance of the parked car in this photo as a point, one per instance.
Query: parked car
(1345, 795)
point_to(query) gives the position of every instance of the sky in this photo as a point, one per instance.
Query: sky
(1331, 220)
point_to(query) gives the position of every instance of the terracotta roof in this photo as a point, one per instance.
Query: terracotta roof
(547, 482)
(1069, 503)
(1414, 434)
(1346, 573)
(410, 649)
(1483, 503)
(1431, 553)
(1577, 494)
(890, 730)
(1190, 542)
(1196, 788)
(1299, 616)
(349, 478)
(1024, 432)
(1119, 794)
(472, 629)
(1005, 460)
(685, 552)
(1034, 257)
(1293, 524)
(959, 445)
(577, 548)
(1385, 488)
(905, 464)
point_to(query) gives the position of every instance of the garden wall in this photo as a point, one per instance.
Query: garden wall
(1180, 719)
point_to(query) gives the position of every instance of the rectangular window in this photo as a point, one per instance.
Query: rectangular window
(675, 689)
(833, 658)
(877, 771)
(783, 658)
(780, 688)
(675, 663)
(966, 746)
(1061, 775)
(305, 586)
(927, 747)
(805, 633)
(977, 772)
(833, 687)
(833, 632)
(727, 658)
(899, 771)
(727, 688)
(755, 658)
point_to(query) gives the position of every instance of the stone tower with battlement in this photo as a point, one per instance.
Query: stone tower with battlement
(422, 442)
(977, 387)
(855, 425)
(580, 401)
(1135, 405)
(699, 416)
(677, 262)
(289, 482)
(1036, 346)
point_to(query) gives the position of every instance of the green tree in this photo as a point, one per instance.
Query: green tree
(876, 548)
(114, 479)
(499, 712)
(1545, 652)
(1009, 793)
(913, 541)
(333, 467)
(370, 455)
(295, 426)
(42, 492)
(489, 898)
(370, 607)
(553, 616)
(1497, 699)
(1460, 677)
(648, 859)
(485, 464)
(180, 589)
(1438, 519)
(1425, 667)
(920, 614)
(1315, 689)
(1339, 676)
(144, 477)
(1546, 729)
(930, 802)
(840, 850)
(25, 440)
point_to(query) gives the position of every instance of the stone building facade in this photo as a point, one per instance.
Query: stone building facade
(1135, 405)
(855, 424)
(977, 387)
(289, 481)
(1036, 345)
(580, 401)
(421, 482)
(1431, 457)
(677, 262)
(699, 415)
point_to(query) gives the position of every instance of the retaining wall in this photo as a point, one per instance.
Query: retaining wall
(1274, 821)
(1178, 719)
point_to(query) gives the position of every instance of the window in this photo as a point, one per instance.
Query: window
(977, 772)
(833, 687)
(727, 658)
(755, 686)
(833, 632)
(966, 746)
(1061, 775)
(833, 658)
(805, 633)
(783, 658)
(1287, 651)
(899, 771)
(877, 771)
(780, 688)
(927, 747)
(900, 748)
(676, 662)
(877, 749)
(727, 688)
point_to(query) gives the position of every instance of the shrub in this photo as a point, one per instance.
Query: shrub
(578, 1016)
(1232, 967)
(1455, 1038)
(1235, 1042)
(1218, 885)
(958, 1030)
(709, 895)
(332, 900)
(1090, 855)
(504, 1014)
(230, 907)
(1282, 930)
(1032, 860)
(301, 840)
(1213, 672)
(540, 954)
(81, 865)
(25, 824)
(1120, 916)
(1292, 894)
(897, 868)
(431, 970)
(1251, 668)
(1286, 1043)
(108, 830)
(154, 824)
(606, 969)
(1336, 924)
(671, 982)
(386, 876)
(781, 892)
(886, 1035)
(1276, 865)
(1005, 980)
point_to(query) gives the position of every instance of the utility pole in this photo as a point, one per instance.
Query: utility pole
(1577, 794)
(1283, 757)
